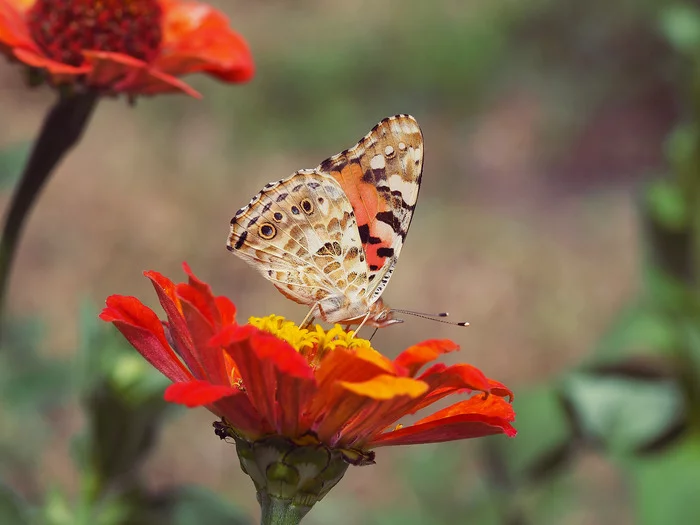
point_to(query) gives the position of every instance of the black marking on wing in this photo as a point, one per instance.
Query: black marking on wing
(396, 194)
(389, 218)
(253, 221)
(241, 240)
(282, 196)
(365, 237)
(385, 252)
(267, 207)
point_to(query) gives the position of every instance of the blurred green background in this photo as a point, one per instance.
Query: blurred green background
(558, 215)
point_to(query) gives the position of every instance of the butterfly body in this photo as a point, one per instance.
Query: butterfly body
(330, 237)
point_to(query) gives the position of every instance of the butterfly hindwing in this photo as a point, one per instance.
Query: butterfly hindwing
(301, 234)
(381, 178)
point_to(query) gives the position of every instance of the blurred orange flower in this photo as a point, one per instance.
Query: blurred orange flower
(270, 377)
(123, 46)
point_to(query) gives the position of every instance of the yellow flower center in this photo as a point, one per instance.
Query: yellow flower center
(312, 344)
(64, 28)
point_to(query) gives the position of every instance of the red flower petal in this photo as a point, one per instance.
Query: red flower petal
(142, 328)
(199, 294)
(227, 310)
(447, 380)
(272, 371)
(448, 429)
(500, 389)
(179, 331)
(197, 393)
(492, 406)
(416, 356)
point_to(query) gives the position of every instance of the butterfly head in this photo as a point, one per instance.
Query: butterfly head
(381, 315)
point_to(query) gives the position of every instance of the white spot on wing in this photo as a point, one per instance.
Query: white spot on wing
(402, 146)
(377, 162)
(388, 151)
(407, 189)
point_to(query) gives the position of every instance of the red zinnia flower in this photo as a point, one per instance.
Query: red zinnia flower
(119, 46)
(279, 387)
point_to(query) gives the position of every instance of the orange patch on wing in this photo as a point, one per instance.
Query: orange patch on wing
(367, 203)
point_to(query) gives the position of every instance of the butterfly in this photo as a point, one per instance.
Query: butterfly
(330, 237)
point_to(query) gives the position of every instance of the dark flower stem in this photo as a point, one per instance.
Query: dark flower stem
(276, 511)
(60, 131)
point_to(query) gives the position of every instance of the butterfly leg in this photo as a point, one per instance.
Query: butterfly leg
(362, 323)
(306, 323)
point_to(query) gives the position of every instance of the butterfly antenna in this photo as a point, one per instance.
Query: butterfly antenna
(374, 333)
(433, 317)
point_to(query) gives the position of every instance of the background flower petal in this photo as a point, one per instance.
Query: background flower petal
(198, 38)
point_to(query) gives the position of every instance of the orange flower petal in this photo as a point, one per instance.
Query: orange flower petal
(416, 356)
(386, 387)
(352, 364)
(198, 38)
(142, 328)
(353, 411)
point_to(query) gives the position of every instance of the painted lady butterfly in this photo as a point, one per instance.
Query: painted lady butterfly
(330, 237)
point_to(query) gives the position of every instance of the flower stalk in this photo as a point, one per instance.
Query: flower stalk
(60, 131)
(278, 511)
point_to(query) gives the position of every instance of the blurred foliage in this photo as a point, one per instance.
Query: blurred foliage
(633, 403)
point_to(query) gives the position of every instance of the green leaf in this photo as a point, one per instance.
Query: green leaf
(664, 487)
(537, 409)
(624, 413)
(667, 204)
(681, 25)
(13, 510)
(639, 330)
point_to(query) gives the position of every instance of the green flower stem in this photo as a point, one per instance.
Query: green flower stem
(276, 511)
(60, 131)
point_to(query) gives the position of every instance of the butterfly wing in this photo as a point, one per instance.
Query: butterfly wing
(381, 178)
(301, 234)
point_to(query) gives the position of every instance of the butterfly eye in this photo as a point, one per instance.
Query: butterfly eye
(267, 231)
(307, 206)
(278, 216)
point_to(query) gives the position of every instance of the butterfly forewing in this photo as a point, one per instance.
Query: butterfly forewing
(381, 177)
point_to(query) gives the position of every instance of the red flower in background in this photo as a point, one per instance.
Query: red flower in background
(270, 377)
(123, 46)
